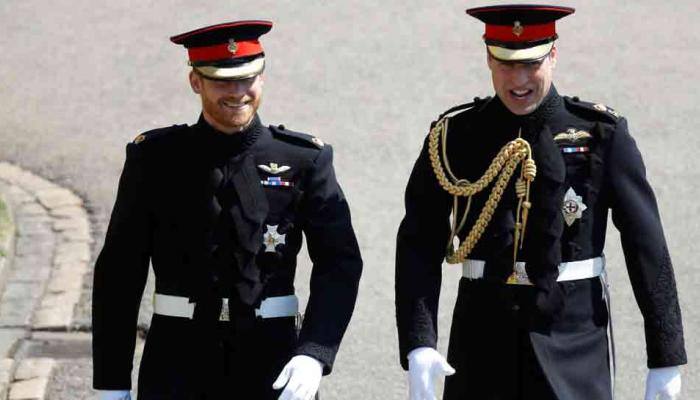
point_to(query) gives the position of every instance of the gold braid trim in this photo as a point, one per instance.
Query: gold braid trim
(503, 166)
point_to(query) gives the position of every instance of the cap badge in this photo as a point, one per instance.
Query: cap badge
(272, 239)
(573, 207)
(232, 46)
(518, 28)
(274, 168)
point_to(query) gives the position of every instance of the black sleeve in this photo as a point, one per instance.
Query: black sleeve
(636, 216)
(420, 249)
(337, 264)
(120, 276)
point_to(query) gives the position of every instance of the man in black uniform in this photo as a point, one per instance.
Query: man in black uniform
(219, 208)
(529, 177)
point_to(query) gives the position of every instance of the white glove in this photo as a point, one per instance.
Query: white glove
(115, 395)
(302, 376)
(664, 382)
(425, 365)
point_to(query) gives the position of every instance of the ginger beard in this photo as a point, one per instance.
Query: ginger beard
(228, 105)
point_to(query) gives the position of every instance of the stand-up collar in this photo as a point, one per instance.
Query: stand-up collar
(531, 123)
(228, 144)
(549, 107)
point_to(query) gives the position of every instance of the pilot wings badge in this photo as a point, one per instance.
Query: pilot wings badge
(572, 135)
(274, 168)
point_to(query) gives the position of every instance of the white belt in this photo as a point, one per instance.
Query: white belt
(568, 271)
(271, 307)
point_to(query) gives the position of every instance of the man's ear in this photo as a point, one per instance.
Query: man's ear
(489, 59)
(195, 82)
(553, 56)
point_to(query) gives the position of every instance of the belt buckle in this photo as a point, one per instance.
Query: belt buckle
(224, 315)
(519, 275)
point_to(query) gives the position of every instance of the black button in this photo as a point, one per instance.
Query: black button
(280, 126)
(516, 307)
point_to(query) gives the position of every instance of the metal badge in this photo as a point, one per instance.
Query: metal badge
(232, 46)
(518, 28)
(224, 315)
(274, 168)
(572, 135)
(573, 207)
(271, 238)
(318, 142)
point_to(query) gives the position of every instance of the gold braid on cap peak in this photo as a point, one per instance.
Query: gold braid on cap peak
(503, 166)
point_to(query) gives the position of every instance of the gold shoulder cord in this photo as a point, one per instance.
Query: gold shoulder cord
(515, 152)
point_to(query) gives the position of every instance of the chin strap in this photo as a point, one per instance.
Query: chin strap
(502, 168)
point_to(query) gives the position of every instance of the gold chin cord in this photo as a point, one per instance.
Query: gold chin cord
(502, 167)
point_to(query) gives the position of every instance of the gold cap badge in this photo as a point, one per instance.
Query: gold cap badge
(232, 46)
(517, 28)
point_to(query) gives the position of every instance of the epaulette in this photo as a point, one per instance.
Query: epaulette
(285, 134)
(476, 104)
(158, 133)
(593, 110)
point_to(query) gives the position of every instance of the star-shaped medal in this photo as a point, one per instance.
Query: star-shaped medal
(272, 238)
(573, 207)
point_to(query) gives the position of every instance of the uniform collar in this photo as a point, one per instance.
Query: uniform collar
(549, 107)
(531, 123)
(229, 144)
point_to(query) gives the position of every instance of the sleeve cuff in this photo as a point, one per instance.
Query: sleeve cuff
(324, 355)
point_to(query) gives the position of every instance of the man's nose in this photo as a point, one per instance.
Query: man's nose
(236, 88)
(520, 75)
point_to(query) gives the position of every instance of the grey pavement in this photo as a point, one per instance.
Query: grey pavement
(82, 78)
(45, 253)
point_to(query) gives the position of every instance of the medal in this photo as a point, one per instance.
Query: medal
(275, 181)
(271, 239)
(573, 207)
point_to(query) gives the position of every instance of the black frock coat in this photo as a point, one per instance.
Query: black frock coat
(550, 341)
(191, 201)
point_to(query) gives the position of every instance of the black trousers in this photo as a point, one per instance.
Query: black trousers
(181, 361)
(503, 348)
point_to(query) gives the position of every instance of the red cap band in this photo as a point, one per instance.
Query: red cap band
(225, 50)
(528, 33)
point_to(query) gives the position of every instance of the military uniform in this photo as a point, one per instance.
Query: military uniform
(199, 205)
(551, 339)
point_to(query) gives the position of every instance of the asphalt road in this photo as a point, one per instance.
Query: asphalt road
(79, 79)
